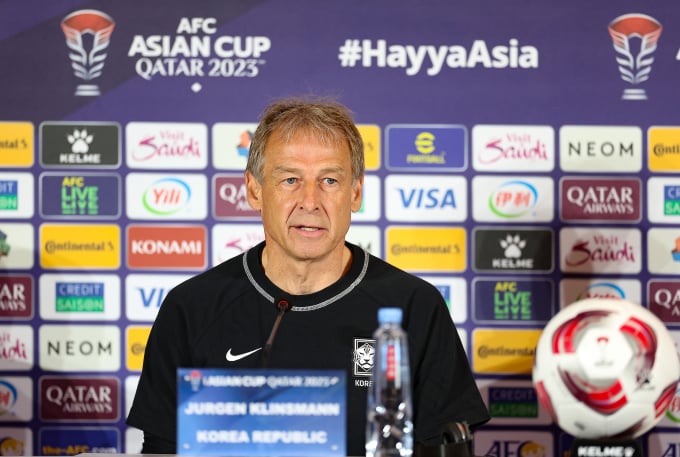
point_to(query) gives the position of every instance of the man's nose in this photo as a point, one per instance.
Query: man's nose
(309, 198)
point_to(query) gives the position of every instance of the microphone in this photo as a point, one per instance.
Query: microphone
(283, 305)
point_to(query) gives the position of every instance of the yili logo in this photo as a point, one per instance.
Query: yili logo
(513, 199)
(166, 196)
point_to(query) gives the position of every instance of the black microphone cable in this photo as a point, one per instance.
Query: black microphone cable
(282, 305)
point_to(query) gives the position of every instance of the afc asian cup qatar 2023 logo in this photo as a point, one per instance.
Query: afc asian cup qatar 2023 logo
(635, 62)
(87, 56)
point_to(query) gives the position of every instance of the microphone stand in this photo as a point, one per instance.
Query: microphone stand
(282, 305)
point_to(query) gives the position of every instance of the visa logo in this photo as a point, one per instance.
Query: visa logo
(427, 198)
(153, 297)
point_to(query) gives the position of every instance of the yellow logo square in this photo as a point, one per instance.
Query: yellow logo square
(16, 144)
(136, 338)
(498, 351)
(427, 249)
(371, 136)
(663, 147)
(79, 246)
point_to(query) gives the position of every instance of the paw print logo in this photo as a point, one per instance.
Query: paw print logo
(80, 141)
(513, 246)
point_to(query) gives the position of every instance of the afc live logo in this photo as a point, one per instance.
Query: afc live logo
(166, 247)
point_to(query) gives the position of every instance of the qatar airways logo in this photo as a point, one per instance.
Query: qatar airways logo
(663, 297)
(510, 148)
(597, 251)
(635, 68)
(166, 145)
(65, 399)
(499, 198)
(601, 199)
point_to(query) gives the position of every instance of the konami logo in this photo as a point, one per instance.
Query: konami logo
(166, 247)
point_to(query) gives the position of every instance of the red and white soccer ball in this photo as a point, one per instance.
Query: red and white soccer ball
(605, 368)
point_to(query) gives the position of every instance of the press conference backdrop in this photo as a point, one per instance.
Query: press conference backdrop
(520, 155)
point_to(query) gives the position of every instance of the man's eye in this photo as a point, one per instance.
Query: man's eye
(330, 180)
(291, 180)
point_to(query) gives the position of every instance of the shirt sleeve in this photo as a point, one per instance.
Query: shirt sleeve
(444, 389)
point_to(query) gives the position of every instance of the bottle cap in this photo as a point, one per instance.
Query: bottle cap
(389, 315)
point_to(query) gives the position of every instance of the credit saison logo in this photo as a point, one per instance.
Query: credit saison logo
(79, 196)
(432, 59)
(426, 147)
(16, 195)
(9, 195)
(517, 402)
(601, 199)
(167, 145)
(610, 250)
(166, 246)
(79, 398)
(196, 50)
(16, 296)
(79, 297)
(663, 297)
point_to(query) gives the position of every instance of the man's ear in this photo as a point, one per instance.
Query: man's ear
(357, 194)
(254, 191)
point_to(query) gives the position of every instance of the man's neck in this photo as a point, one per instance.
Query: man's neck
(305, 276)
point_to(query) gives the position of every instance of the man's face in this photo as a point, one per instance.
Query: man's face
(306, 197)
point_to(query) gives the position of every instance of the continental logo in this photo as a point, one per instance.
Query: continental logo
(79, 246)
(370, 134)
(426, 147)
(16, 144)
(427, 249)
(663, 145)
(497, 351)
(136, 338)
(166, 247)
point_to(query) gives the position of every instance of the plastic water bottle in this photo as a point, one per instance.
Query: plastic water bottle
(389, 425)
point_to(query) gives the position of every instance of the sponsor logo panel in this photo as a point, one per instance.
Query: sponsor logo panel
(370, 134)
(513, 444)
(79, 399)
(166, 145)
(16, 399)
(80, 145)
(501, 351)
(144, 294)
(671, 417)
(79, 246)
(370, 203)
(17, 441)
(663, 444)
(230, 198)
(591, 149)
(512, 402)
(663, 251)
(426, 249)
(600, 250)
(663, 298)
(454, 292)
(74, 348)
(16, 144)
(527, 250)
(166, 247)
(16, 296)
(92, 196)
(78, 440)
(16, 347)
(230, 240)
(600, 200)
(367, 237)
(572, 289)
(510, 199)
(16, 195)
(136, 337)
(131, 383)
(663, 200)
(663, 145)
(426, 147)
(513, 301)
(160, 197)
(16, 246)
(426, 198)
(513, 148)
(231, 143)
(73, 297)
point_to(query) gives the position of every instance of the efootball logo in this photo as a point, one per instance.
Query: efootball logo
(635, 58)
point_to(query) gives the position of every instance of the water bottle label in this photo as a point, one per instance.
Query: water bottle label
(391, 369)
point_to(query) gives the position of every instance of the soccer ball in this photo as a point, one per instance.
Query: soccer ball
(605, 368)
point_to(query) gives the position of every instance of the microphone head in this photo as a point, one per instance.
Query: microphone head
(282, 304)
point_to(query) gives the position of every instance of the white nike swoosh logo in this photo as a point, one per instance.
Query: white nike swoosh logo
(234, 357)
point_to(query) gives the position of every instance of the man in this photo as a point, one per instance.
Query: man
(305, 174)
